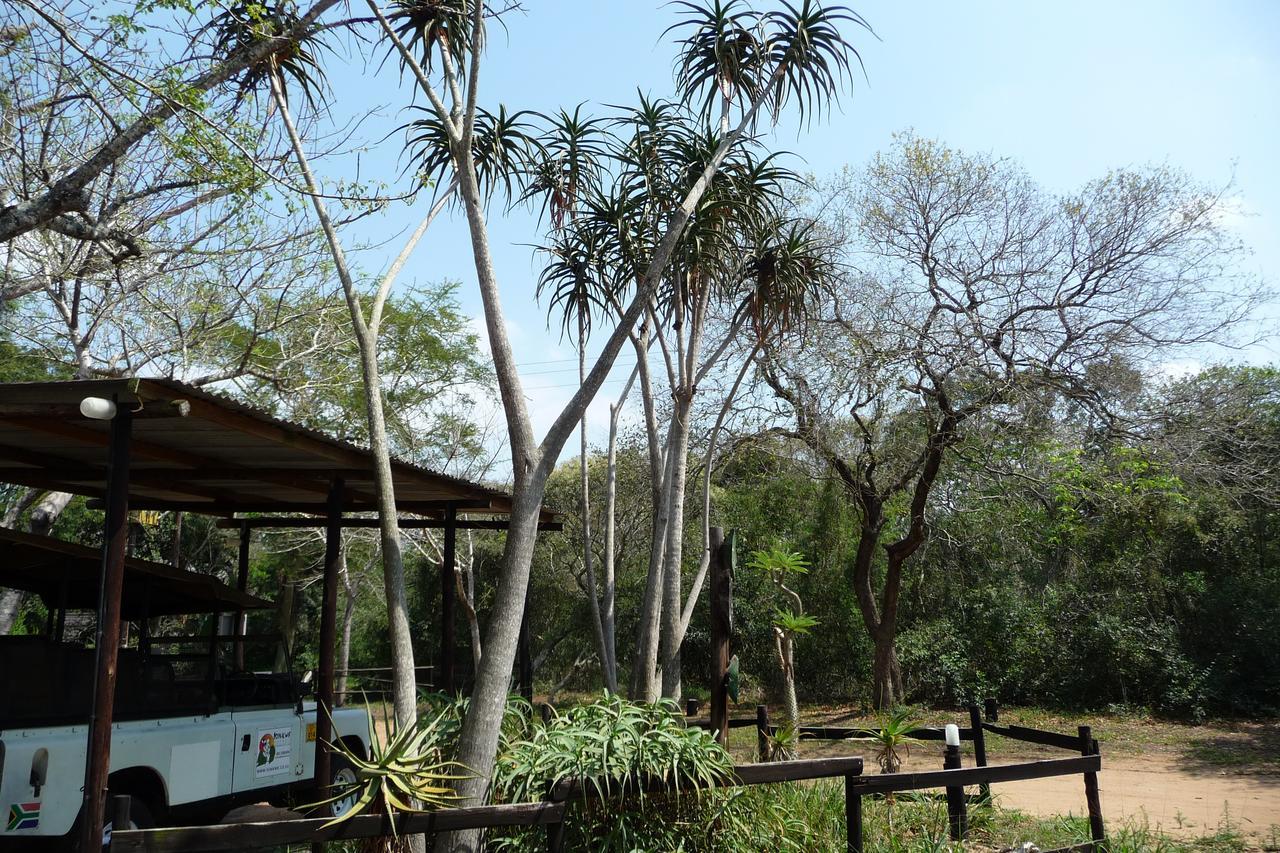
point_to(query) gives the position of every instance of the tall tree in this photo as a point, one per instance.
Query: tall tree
(975, 289)
(795, 56)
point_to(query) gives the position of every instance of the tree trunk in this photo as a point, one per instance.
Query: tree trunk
(46, 512)
(348, 618)
(886, 676)
(10, 604)
(284, 623)
(672, 589)
(608, 617)
(588, 556)
(403, 675)
(644, 665)
(11, 599)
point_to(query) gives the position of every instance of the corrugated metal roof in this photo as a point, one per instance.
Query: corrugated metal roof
(196, 451)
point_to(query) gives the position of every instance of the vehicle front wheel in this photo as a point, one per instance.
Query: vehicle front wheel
(343, 777)
(139, 818)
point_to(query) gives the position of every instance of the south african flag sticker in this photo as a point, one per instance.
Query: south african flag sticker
(23, 816)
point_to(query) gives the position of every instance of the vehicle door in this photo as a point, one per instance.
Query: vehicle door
(269, 748)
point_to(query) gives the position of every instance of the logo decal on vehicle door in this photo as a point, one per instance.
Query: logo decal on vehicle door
(23, 816)
(274, 749)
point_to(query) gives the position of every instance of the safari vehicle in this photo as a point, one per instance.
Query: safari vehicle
(195, 731)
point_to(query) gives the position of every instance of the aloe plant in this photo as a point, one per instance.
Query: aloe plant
(892, 735)
(409, 772)
(614, 744)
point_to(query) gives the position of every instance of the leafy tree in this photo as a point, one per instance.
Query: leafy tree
(976, 292)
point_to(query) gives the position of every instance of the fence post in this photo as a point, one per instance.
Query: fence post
(555, 837)
(721, 602)
(957, 818)
(1089, 746)
(120, 807)
(852, 814)
(762, 731)
(979, 750)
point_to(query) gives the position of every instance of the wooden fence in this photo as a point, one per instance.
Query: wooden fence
(552, 813)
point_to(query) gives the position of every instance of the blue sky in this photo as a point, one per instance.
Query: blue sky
(1068, 90)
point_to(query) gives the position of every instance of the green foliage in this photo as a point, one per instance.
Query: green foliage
(611, 742)
(615, 746)
(408, 773)
(892, 736)
(777, 558)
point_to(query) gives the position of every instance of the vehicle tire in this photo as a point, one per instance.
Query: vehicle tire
(139, 816)
(342, 774)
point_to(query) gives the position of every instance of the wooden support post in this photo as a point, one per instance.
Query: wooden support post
(852, 815)
(242, 584)
(1089, 746)
(448, 636)
(121, 805)
(328, 636)
(555, 837)
(721, 601)
(979, 750)
(524, 653)
(762, 732)
(107, 648)
(957, 816)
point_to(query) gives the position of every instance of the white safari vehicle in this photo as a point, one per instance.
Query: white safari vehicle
(194, 735)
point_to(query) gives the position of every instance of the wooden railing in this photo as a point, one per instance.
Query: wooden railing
(553, 812)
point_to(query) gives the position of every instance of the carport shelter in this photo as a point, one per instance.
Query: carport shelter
(158, 444)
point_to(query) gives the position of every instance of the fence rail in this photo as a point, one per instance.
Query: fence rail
(553, 812)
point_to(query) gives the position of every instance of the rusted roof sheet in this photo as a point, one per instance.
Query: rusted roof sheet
(201, 452)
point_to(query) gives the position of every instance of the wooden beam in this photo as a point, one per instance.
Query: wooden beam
(253, 836)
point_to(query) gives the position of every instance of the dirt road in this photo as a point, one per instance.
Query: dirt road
(1170, 798)
(1185, 780)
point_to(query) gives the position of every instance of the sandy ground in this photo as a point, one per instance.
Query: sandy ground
(1171, 799)
(1187, 781)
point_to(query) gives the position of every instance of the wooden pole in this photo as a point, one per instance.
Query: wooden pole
(957, 818)
(762, 732)
(721, 601)
(448, 638)
(107, 647)
(979, 749)
(852, 815)
(242, 584)
(328, 635)
(1089, 746)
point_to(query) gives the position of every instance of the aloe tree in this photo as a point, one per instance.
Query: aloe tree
(790, 621)
(294, 65)
(801, 59)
